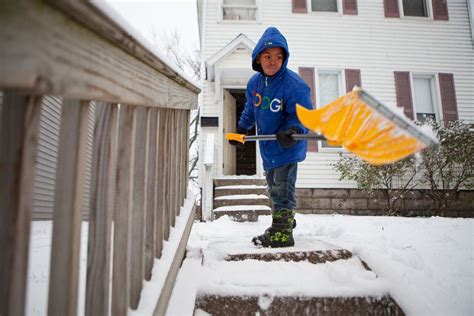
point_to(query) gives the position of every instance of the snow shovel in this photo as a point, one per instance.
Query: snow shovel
(362, 125)
(366, 127)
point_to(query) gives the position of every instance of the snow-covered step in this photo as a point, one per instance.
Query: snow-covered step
(240, 189)
(295, 305)
(242, 213)
(314, 278)
(241, 199)
(239, 180)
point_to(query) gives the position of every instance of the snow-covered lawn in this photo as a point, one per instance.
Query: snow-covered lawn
(426, 264)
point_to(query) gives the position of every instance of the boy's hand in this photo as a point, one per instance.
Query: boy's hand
(236, 143)
(285, 139)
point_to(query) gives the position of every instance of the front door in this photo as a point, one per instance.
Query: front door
(229, 120)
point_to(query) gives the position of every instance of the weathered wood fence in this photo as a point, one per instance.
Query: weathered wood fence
(73, 50)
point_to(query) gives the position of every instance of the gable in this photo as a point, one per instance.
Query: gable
(236, 53)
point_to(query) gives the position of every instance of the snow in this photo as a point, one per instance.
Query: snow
(242, 197)
(425, 264)
(40, 250)
(151, 289)
(236, 187)
(242, 208)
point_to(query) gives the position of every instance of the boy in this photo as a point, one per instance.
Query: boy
(271, 96)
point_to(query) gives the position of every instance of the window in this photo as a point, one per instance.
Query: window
(415, 8)
(424, 98)
(330, 88)
(324, 5)
(239, 10)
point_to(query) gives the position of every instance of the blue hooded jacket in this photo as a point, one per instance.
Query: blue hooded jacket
(270, 104)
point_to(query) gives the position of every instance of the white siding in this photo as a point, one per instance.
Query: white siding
(46, 160)
(376, 45)
(210, 106)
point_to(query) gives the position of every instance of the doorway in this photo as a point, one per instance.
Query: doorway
(245, 156)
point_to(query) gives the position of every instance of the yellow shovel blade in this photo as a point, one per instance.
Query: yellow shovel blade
(235, 136)
(366, 127)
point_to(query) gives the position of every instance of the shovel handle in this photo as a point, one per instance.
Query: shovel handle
(249, 138)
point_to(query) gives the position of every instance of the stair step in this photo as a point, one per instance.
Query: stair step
(239, 180)
(242, 213)
(297, 305)
(314, 256)
(240, 189)
(241, 199)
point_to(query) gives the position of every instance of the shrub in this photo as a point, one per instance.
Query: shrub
(448, 168)
(394, 181)
(445, 169)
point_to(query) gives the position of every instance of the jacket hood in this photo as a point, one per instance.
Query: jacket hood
(272, 37)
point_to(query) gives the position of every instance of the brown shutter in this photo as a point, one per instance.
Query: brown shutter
(403, 90)
(352, 79)
(307, 74)
(349, 7)
(448, 97)
(299, 6)
(440, 10)
(391, 8)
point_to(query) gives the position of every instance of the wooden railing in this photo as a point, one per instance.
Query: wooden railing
(73, 50)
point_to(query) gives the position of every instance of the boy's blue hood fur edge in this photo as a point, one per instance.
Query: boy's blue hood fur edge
(270, 38)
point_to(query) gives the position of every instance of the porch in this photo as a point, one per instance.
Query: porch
(122, 156)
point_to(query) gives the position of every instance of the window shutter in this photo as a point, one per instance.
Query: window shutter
(391, 8)
(440, 10)
(448, 97)
(299, 6)
(352, 79)
(349, 7)
(403, 90)
(307, 74)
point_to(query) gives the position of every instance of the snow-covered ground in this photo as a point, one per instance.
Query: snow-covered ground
(426, 264)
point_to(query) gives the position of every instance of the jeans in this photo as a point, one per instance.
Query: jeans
(281, 183)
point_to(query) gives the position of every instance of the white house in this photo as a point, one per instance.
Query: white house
(417, 54)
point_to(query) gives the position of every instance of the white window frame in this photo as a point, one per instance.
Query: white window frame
(429, 11)
(258, 16)
(435, 93)
(338, 12)
(342, 88)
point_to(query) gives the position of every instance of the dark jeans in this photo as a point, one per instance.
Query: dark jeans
(281, 183)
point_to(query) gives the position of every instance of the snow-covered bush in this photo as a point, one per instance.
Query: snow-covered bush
(448, 168)
(393, 181)
(445, 169)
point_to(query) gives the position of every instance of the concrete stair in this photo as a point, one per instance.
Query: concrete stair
(251, 305)
(264, 304)
(242, 198)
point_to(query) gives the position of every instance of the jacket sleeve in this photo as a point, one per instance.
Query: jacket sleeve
(247, 118)
(301, 96)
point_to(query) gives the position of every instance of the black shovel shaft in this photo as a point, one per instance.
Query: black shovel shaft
(250, 138)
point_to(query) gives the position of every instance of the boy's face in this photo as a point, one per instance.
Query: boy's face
(271, 60)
